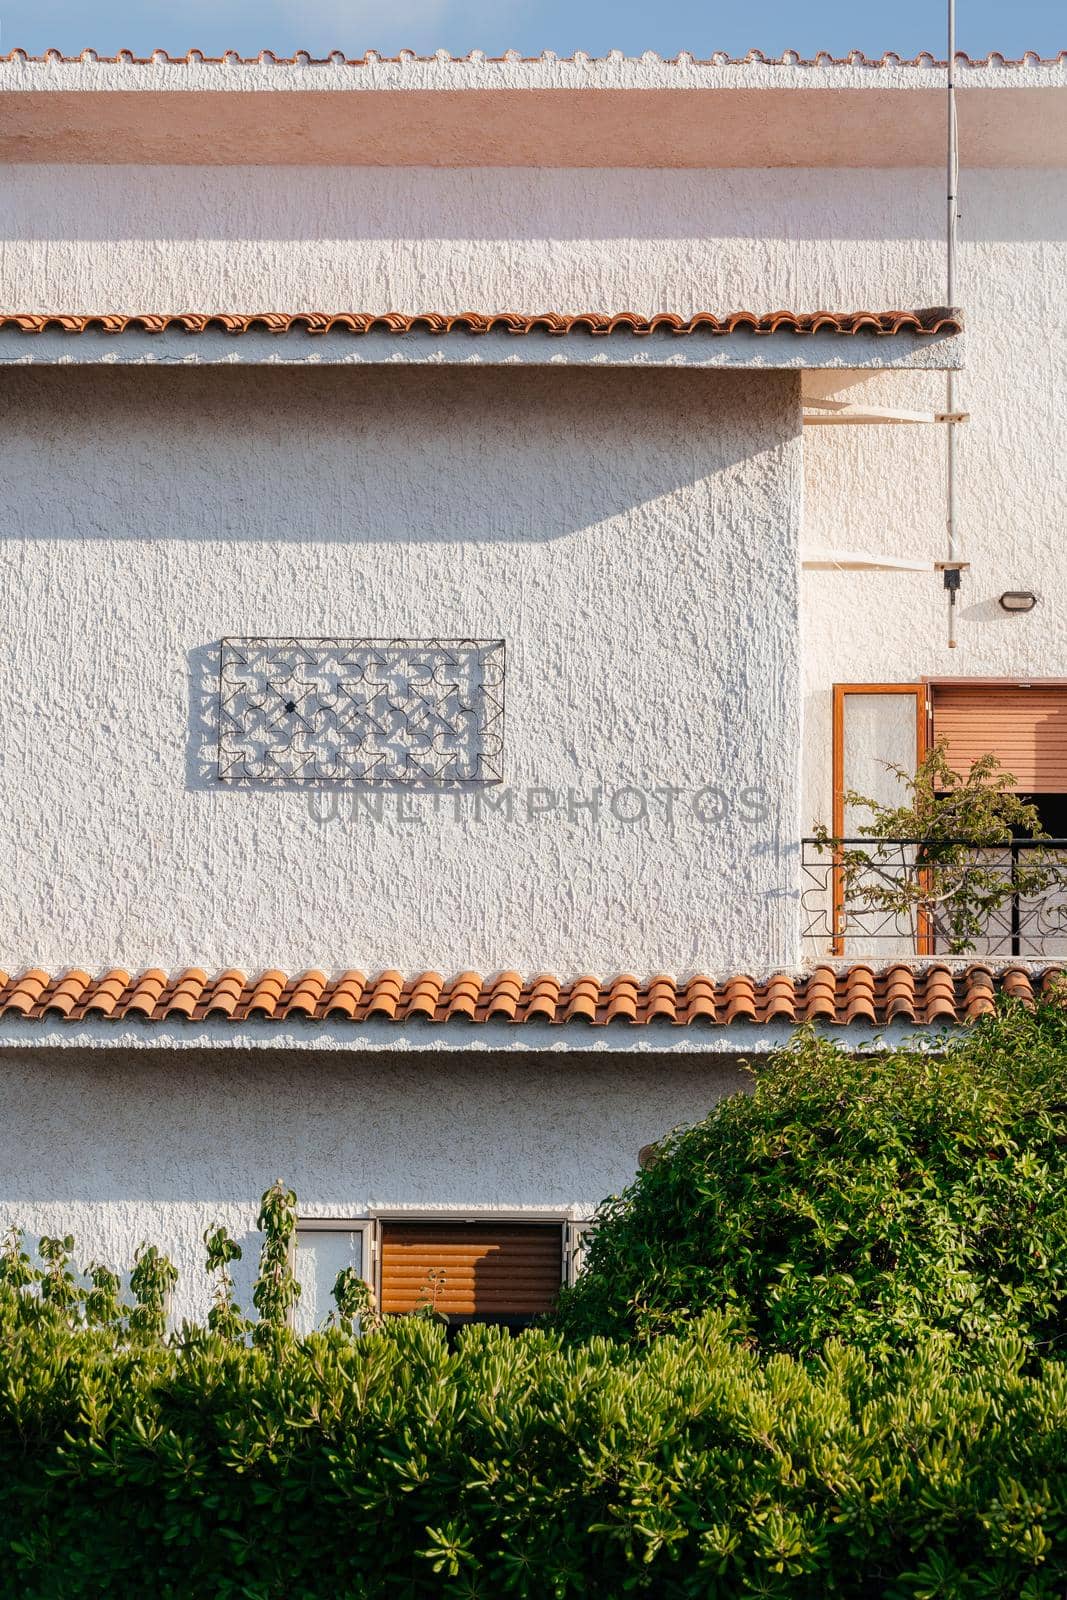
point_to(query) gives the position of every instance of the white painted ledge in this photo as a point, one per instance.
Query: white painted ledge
(445, 1039)
(743, 350)
(444, 73)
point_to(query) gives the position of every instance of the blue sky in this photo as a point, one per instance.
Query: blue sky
(906, 26)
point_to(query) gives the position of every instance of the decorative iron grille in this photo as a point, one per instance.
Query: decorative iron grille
(1022, 925)
(361, 711)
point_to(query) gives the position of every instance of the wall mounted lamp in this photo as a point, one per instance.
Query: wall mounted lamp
(1018, 600)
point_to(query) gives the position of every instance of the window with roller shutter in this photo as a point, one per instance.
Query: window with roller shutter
(500, 1272)
(1023, 724)
(878, 728)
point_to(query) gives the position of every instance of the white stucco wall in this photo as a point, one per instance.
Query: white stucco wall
(135, 238)
(883, 488)
(131, 238)
(632, 536)
(120, 1149)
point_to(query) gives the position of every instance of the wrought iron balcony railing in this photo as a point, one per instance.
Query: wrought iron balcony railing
(846, 913)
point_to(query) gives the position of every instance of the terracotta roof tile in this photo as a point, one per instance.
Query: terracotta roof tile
(819, 1000)
(265, 993)
(858, 1003)
(598, 324)
(182, 999)
(931, 994)
(739, 996)
(101, 998)
(343, 997)
(384, 996)
(780, 1001)
(63, 996)
(26, 992)
(1016, 981)
(542, 999)
(622, 999)
(660, 1001)
(461, 1000)
(146, 993)
(301, 998)
(425, 995)
(1050, 982)
(981, 994)
(898, 993)
(788, 58)
(503, 998)
(581, 1004)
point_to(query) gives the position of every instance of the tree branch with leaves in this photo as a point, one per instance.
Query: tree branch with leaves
(949, 829)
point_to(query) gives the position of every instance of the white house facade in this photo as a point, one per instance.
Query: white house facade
(455, 527)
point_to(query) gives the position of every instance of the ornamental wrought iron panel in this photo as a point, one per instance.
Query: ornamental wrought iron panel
(1030, 926)
(361, 711)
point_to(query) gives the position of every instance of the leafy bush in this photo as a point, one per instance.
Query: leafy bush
(877, 1199)
(389, 1466)
(914, 1204)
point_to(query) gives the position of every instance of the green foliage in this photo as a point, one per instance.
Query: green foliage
(224, 1317)
(16, 1268)
(151, 1281)
(957, 823)
(877, 1199)
(389, 1466)
(58, 1287)
(354, 1298)
(914, 1204)
(102, 1306)
(276, 1289)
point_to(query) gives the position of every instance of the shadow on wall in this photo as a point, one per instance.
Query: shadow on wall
(377, 456)
(991, 610)
(214, 1127)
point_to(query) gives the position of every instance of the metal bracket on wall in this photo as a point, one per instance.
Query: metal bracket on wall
(846, 413)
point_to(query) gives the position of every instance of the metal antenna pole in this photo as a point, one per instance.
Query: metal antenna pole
(952, 573)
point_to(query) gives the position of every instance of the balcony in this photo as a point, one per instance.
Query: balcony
(889, 899)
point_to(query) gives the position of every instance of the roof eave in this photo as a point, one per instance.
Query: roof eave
(832, 345)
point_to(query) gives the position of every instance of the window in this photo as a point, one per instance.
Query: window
(578, 1236)
(877, 726)
(1023, 724)
(507, 1273)
(473, 1268)
(323, 1248)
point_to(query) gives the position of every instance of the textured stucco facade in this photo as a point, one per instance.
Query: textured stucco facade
(607, 526)
(127, 237)
(635, 536)
(119, 1148)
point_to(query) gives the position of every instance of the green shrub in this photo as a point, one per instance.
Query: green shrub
(911, 1204)
(874, 1198)
(388, 1466)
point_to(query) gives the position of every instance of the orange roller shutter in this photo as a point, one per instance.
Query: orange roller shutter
(1025, 728)
(490, 1269)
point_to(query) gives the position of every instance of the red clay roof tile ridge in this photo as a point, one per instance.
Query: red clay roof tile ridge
(925, 320)
(930, 992)
(788, 58)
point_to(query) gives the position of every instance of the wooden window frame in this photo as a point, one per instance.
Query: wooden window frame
(920, 690)
(361, 1225)
(578, 1231)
